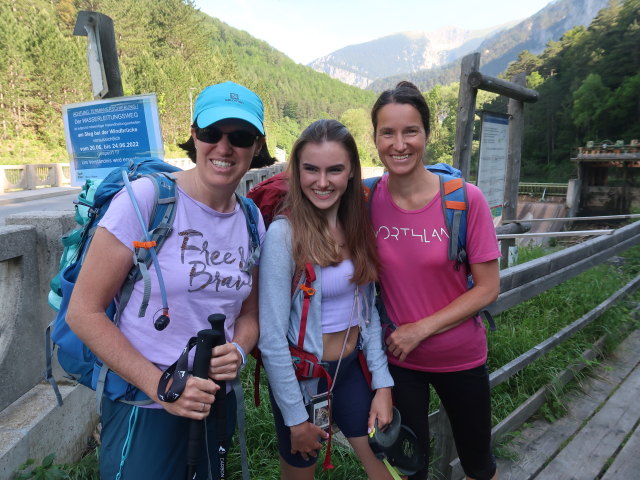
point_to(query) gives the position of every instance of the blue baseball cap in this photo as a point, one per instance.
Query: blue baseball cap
(228, 100)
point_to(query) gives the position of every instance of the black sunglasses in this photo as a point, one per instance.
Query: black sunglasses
(237, 138)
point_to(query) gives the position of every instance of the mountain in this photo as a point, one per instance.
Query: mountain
(400, 53)
(534, 33)
(431, 58)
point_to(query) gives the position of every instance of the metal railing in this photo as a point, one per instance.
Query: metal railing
(543, 189)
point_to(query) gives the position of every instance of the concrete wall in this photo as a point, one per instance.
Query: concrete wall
(19, 315)
(35, 426)
(38, 257)
(31, 423)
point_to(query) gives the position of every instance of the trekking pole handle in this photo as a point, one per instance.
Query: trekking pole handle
(217, 324)
(207, 340)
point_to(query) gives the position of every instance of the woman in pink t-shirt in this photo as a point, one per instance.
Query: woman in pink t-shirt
(439, 339)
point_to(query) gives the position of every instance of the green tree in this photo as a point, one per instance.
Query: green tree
(623, 109)
(534, 80)
(443, 104)
(589, 103)
(358, 122)
(526, 62)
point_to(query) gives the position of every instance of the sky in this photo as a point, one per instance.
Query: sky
(308, 29)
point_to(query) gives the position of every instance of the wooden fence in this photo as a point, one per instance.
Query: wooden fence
(521, 283)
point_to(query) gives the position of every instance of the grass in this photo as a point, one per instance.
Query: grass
(519, 329)
(262, 445)
(85, 469)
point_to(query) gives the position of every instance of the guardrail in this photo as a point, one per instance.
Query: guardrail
(29, 177)
(32, 176)
(37, 175)
(543, 189)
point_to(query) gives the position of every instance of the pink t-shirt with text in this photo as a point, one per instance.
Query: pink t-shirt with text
(418, 279)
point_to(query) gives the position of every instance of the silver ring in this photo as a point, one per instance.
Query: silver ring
(203, 407)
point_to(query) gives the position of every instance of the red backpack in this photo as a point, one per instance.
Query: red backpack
(269, 195)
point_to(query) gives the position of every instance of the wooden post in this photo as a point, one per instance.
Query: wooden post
(502, 87)
(512, 175)
(625, 206)
(466, 115)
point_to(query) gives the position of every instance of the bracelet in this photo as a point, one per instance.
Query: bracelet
(242, 354)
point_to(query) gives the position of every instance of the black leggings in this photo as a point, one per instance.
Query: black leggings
(466, 399)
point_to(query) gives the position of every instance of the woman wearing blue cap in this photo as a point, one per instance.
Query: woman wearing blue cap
(204, 265)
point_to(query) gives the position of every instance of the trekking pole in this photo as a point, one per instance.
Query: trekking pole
(207, 339)
(217, 323)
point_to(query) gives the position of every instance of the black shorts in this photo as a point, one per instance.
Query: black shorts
(349, 410)
(465, 396)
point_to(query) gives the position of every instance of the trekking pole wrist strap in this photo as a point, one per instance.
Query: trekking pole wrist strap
(179, 373)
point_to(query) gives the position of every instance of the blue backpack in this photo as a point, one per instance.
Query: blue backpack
(454, 206)
(74, 356)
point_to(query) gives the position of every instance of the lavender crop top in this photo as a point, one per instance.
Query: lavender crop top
(338, 297)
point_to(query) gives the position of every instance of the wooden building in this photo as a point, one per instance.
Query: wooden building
(608, 178)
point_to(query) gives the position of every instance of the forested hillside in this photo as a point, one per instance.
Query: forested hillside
(589, 85)
(166, 47)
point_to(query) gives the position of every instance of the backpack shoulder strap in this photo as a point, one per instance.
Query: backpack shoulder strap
(160, 225)
(454, 206)
(309, 291)
(250, 211)
(369, 185)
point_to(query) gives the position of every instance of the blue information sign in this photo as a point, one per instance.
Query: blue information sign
(105, 134)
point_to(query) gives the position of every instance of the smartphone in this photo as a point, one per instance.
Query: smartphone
(318, 410)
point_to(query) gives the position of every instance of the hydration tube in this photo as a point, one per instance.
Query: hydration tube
(152, 250)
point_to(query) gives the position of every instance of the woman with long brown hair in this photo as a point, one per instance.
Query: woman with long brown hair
(318, 266)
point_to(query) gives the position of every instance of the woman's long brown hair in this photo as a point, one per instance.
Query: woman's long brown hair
(311, 239)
